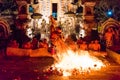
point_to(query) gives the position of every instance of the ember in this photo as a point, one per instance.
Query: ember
(71, 63)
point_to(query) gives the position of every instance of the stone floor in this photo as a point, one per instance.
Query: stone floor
(25, 68)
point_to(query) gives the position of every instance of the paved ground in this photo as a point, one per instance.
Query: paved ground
(24, 68)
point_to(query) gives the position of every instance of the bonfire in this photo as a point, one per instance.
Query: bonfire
(69, 62)
(78, 62)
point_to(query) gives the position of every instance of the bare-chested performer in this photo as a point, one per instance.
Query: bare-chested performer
(109, 37)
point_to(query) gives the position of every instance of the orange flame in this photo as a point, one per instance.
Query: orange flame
(80, 61)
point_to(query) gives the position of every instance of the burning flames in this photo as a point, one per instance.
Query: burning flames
(71, 62)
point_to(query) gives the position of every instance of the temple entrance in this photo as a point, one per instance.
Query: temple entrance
(4, 33)
(115, 26)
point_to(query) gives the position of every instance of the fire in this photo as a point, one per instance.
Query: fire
(71, 62)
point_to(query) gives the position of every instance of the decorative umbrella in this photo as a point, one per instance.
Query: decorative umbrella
(70, 13)
(36, 15)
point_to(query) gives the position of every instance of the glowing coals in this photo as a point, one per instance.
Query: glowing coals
(76, 62)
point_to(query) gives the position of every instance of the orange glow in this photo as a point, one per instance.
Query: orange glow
(69, 62)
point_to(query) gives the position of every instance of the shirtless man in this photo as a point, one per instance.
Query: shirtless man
(90, 46)
(109, 37)
(96, 46)
(83, 46)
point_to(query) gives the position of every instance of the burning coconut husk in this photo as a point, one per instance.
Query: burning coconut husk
(69, 62)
